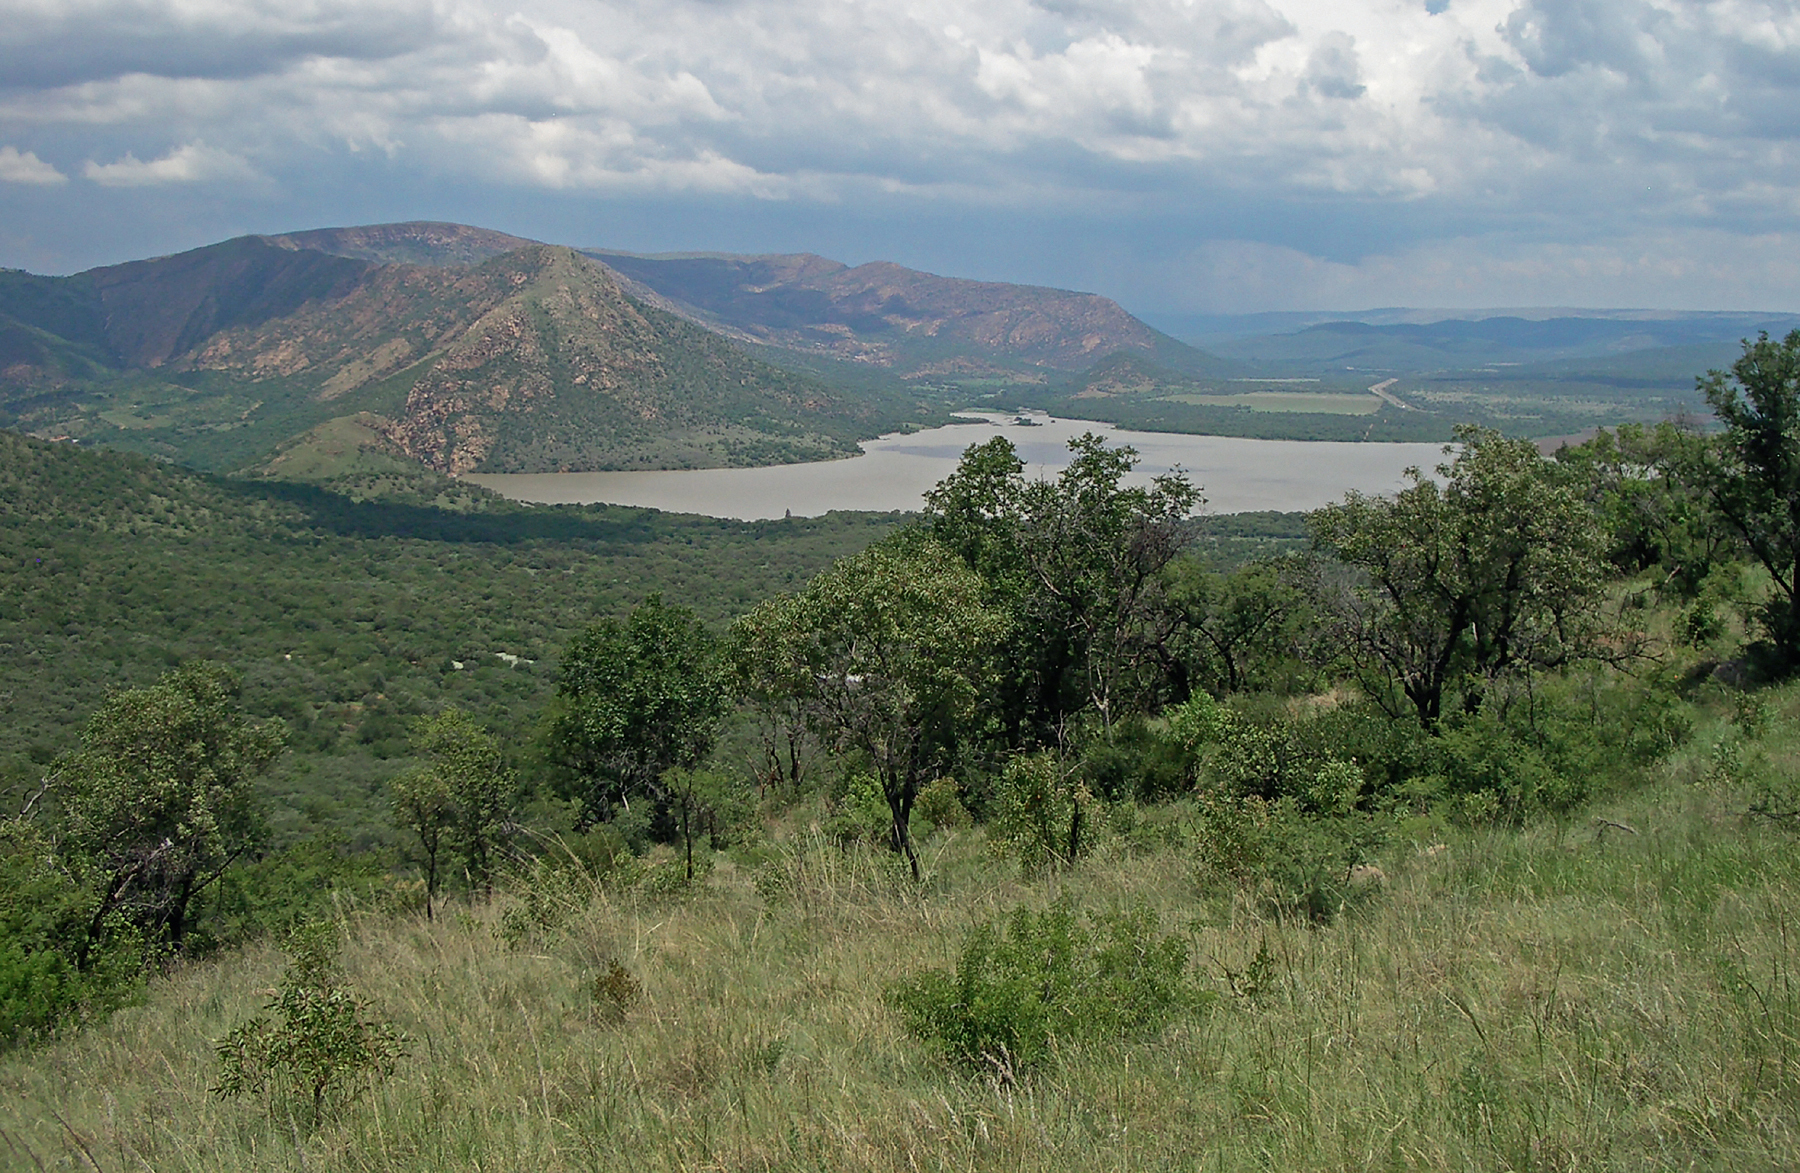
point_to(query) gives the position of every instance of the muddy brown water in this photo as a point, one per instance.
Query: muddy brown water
(894, 472)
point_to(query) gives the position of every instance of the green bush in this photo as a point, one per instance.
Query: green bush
(1038, 811)
(44, 917)
(1023, 988)
(1133, 762)
(859, 811)
(319, 1044)
(940, 804)
(1299, 862)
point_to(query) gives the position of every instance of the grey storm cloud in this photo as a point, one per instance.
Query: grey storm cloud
(61, 44)
(1496, 130)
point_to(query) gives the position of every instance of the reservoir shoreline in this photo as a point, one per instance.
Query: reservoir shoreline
(1235, 474)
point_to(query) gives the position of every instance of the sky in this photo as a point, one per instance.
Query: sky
(1180, 156)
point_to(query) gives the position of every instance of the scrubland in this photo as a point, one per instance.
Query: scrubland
(1612, 989)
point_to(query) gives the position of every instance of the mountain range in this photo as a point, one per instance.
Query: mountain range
(463, 349)
(370, 356)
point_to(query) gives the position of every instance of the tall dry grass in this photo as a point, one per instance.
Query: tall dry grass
(1574, 996)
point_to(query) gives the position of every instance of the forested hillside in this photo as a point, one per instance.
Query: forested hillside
(344, 619)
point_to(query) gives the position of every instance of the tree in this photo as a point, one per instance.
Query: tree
(772, 681)
(480, 788)
(1642, 484)
(634, 700)
(704, 796)
(1097, 551)
(1233, 630)
(1497, 569)
(159, 800)
(890, 650)
(1753, 476)
(462, 798)
(423, 808)
(317, 1040)
(1076, 563)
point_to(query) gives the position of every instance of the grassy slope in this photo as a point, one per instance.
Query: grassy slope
(1568, 997)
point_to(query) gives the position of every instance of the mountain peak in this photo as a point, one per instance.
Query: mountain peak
(414, 242)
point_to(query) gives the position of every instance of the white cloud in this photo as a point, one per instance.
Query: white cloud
(28, 168)
(1555, 121)
(194, 163)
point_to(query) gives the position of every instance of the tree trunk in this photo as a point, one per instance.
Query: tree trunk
(900, 801)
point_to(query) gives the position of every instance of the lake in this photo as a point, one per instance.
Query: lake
(894, 472)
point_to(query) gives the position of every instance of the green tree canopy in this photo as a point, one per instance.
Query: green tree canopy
(1497, 568)
(634, 700)
(1238, 630)
(159, 800)
(1076, 563)
(462, 798)
(890, 651)
(1754, 476)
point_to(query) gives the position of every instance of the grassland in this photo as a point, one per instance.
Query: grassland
(1613, 991)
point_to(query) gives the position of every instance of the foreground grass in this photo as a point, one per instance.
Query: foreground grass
(1566, 997)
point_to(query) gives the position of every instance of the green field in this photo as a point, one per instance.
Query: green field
(1284, 401)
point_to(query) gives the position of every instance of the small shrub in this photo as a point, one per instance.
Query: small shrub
(319, 1042)
(1256, 981)
(44, 920)
(660, 873)
(1022, 988)
(940, 804)
(1701, 625)
(859, 812)
(1298, 861)
(546, 893)
(615, 992)
(1134, 761)
(1750, 713)
(1039, 809)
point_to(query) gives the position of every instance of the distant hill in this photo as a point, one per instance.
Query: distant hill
(532, 359)
(1402, 339)
(914, 325)
(417, 242)
(1507, 339)
(464, 349)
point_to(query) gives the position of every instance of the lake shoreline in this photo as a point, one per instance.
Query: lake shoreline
(1237, 475)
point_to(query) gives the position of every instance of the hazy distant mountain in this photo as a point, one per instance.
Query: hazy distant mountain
(1410, 340)
(912, 324)
(533, 359)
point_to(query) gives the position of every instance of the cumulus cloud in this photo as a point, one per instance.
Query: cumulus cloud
(193, 163)
(27, 168)
(1501, 120)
